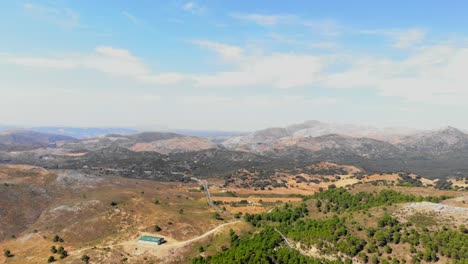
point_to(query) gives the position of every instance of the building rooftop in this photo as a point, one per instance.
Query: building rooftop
(151, 239)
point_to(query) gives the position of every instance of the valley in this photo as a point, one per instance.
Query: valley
(210, 200)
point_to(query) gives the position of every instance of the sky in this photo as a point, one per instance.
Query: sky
(233, 65)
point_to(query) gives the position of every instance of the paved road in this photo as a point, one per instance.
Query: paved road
(285, 239)
(208, 195)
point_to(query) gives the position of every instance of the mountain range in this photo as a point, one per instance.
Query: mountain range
(433, 154)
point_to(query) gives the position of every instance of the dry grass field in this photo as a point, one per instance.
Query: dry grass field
(103, 217)
(94, 215)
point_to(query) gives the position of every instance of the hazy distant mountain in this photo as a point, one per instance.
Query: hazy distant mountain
(433, 154)
(161, 142)
(17, 140)
(436, 142)
(206, 133)
(273, 136)
(88, 132)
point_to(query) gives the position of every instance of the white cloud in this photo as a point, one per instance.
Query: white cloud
(227, 52)
(105, 59)
(323, 45)
(206, 99)
(63, 17)
(401, 38)
(40, 62)
(188, 6)
(325, 27)
(281, 70)
(166, 78)
(433, 74)
(261, 19)
(193, 7)
(329, 28)
(408, 38)
(325, 101)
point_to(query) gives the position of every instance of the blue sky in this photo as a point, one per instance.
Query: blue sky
(233, 65)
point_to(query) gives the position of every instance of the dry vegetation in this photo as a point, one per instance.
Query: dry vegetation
(103, 217)
(94, 216)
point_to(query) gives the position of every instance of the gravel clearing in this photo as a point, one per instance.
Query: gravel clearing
(441, 212)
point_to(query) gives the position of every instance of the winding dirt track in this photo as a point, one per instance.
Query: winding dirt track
(212, 231)
(160, 250)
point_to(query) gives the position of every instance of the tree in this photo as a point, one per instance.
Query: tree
(156, 201)
(234, 237)
(375, 259)
(463, 229)
(51, 259)
(60, 249)
(217, 216)
(64, 254)
(7, 253)
(57, 239)
(181, 211)
(157, 228)
(388, 249)
(53, 249)
(318, 203)
(85, 259)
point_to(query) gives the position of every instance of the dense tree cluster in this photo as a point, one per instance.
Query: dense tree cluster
(443, 185)
(407, 180)
(285, 214)
(329, 235)
(340, 200)
(262, 248)
(343, 236)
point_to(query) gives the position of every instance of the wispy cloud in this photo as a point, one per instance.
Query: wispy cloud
(135, 20)
(329, 28)
(323, 45)
(278, 70)
(105, 59)
(63, 17)
(432, 74)
(326, 27)
(226, 52)
(194, 8)
(401, 38)
(261, 19)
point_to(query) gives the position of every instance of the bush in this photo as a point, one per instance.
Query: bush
(64, 254)
(217, 216)
(7, 253)
(51, 259)
(85, 258)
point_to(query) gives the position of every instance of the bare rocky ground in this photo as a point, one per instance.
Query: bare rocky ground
(440, 213)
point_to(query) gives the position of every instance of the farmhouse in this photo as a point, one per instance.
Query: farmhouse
(151, 240)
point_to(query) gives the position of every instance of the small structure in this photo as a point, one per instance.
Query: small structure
(151, 240)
